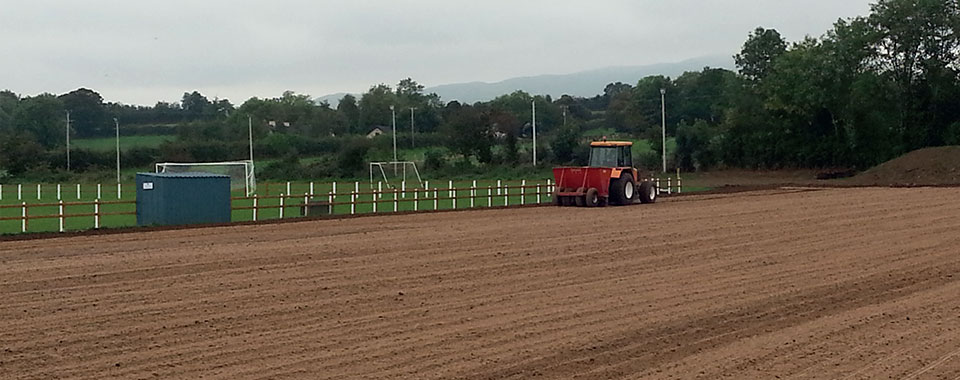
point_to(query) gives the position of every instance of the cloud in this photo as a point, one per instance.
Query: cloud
(141, 52)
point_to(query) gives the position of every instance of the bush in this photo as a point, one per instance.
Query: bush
(352, 158)
(434, 159)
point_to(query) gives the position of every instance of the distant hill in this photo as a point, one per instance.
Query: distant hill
(585, 83)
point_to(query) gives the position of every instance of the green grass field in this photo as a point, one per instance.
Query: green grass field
(126, 142)
(268, 202)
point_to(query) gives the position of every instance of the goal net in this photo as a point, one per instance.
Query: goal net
(240, 172)
(400, 174)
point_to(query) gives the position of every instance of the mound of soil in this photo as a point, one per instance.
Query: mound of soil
(924, 167)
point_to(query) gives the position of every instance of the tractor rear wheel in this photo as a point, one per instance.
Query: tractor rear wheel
(622, 190)
(648, 192)
(592, 199)
(557, 200)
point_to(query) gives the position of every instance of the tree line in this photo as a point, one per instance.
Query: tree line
(867, 90)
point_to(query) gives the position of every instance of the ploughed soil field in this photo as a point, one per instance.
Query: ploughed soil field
(789, 283)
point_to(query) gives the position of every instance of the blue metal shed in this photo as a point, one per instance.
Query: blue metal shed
(165, 199)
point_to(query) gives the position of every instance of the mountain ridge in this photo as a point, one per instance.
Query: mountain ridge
(585, 83)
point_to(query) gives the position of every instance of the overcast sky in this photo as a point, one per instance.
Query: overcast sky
(144, 51)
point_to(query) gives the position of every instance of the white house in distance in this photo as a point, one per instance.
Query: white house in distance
(377, 131)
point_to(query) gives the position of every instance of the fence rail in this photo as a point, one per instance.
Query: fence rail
(293, 199)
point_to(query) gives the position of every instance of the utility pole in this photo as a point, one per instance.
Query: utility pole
(534, 106)
(663, 126)
(117, 124)
(68, 140)
(250, 134)
(412, 142)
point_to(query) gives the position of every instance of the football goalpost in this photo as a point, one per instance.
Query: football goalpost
(396, 174)
(240, 172)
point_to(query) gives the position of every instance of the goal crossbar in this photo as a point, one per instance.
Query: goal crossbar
(401, 174)
(247, 179)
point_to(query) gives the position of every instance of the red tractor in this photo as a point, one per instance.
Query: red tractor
(610, 178)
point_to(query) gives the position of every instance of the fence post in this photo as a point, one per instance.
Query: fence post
(498, 187)
(61, 215)
(436, 199)
(679, 187)
(281, 206)
(306, 202)
(453, 192)
(1, 191)
(288, 187)
(78, 191)
(374, 197)
(38, 191)
(58, 192)
(99, 192)
(334, 192)
(23, 223)
(353, 203)
(118, 190)
(395, 200)
(523, 192)
(379, 190)
(96, 214)
(450, 189)
(311, 188)
(538, 193)
(489, 197)
(506, 195)
(20, 192)
(255, 198)
(416, 200)
(548, 189)
(669, 185)
(403, 189)
(473, 194)
(356, 187)
(658, 185)
(330, 203)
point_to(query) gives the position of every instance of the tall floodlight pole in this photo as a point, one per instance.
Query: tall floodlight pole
(68, 140)
(116, 123)
(534, 123)
(663, 126)
(412, 142)
(393, 113)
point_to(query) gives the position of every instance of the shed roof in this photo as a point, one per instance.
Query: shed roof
(185, 175)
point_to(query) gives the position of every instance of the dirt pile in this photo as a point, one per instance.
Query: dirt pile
(924, 167)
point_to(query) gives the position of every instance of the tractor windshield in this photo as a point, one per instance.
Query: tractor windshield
(605, 157)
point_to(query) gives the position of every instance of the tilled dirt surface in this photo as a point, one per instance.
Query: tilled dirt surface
(788, 283)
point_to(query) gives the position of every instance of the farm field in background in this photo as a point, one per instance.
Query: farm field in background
(126, 142)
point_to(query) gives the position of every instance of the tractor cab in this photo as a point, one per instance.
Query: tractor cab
(611, 154)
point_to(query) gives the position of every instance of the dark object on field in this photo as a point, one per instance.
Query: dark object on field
(168, 199)
(315, 207)
(836, 174)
